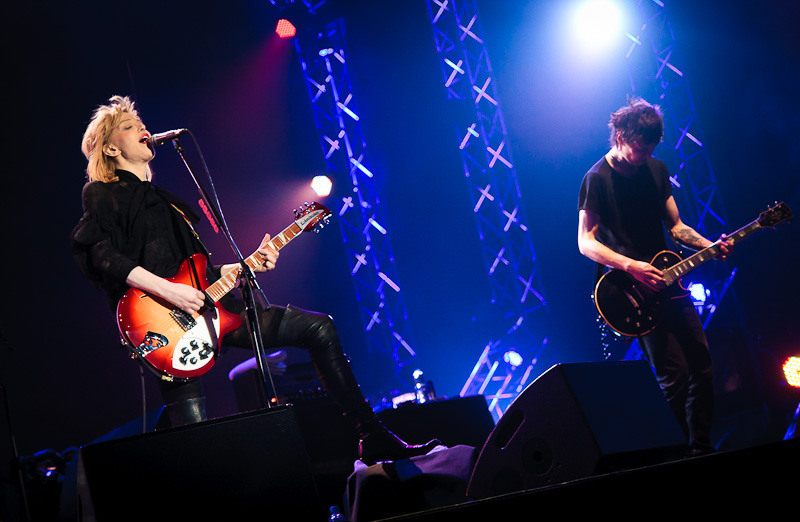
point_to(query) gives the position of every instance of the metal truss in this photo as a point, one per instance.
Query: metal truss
(321, 51)
(507, 247)
(656, 74)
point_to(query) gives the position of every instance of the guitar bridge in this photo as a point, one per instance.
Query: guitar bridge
(184, 320)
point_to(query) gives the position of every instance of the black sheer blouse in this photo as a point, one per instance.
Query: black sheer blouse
(129, 223)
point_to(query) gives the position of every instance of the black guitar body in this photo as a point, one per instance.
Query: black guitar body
(630, 307)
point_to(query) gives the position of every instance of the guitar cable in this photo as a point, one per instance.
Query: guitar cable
(144, 399)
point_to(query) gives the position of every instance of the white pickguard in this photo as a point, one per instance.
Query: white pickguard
(196, 348)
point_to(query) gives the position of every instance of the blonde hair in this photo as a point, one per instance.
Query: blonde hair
(104, 120)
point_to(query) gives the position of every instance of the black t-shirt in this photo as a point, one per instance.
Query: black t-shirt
(631, 209)
(129, 223)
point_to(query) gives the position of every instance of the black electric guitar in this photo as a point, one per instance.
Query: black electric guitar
(631, 308)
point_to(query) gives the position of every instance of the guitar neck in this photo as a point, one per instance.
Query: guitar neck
(227, 282)
(678, 270)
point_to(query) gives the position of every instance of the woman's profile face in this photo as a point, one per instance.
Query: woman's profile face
(129, 141)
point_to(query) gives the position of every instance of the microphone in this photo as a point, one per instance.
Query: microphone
(163, 137)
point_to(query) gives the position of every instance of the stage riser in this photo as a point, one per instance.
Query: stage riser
(756, 483)
(223, 469)
(301, 455)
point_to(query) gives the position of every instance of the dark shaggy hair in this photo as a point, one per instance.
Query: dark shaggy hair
(637, 121)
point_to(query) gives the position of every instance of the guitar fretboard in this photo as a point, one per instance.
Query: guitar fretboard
(680, 269)
(227, 282)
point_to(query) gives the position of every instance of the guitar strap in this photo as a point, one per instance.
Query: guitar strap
(197, 237)
(191, 227)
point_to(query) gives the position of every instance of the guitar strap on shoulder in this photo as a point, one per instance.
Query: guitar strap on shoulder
(191, 227)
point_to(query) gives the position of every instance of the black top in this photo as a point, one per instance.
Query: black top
(631, 209)
(129, 223)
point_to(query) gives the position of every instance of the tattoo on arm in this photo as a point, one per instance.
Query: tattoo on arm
(689, 237)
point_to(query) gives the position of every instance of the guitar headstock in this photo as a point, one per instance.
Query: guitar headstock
(311, 216)
(774, 215)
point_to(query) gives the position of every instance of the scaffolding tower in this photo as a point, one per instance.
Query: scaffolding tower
(656, 74)
(321, 50)
(506, 363)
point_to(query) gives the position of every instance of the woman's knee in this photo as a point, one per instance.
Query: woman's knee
(310, 329)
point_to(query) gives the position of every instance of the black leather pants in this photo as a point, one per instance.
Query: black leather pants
(286, 327)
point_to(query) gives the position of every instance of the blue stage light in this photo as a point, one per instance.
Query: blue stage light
(513, 358)
(699, 292)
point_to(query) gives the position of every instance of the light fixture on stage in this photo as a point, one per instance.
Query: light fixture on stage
(791, 370)
(699, 293)
(285, 29)
(597, 24)
(513, 358)
(321, 185)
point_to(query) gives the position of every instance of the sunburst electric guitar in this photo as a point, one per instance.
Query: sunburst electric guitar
(182, 346)
(632, 309)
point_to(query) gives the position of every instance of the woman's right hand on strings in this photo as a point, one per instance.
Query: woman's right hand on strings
(185, 297)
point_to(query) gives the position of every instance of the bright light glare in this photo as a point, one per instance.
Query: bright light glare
(791, 370)
(699, 292)
(285, 29)
(597, 24)
(513, 358)
(321, 185)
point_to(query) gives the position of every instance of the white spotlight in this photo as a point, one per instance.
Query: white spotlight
(321, 185)
(598, 24)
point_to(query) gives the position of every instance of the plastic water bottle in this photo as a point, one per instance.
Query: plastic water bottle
(423, 391)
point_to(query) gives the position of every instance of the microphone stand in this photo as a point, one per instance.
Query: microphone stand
(249, 284)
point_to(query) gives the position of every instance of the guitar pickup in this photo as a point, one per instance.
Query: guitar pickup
(632, 300)
(184, 320)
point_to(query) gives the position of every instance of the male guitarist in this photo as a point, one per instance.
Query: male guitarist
(624, 204)
(134, 234)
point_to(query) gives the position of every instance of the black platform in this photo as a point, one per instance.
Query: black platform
(289, 461)
(758, 483)
(223, 469)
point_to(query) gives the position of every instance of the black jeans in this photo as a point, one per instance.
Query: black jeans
(678, 351)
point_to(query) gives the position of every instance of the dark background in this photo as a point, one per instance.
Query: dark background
(216, 68)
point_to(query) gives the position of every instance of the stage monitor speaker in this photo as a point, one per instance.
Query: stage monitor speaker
(458, 421)
(575, 421)
(243, 467)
